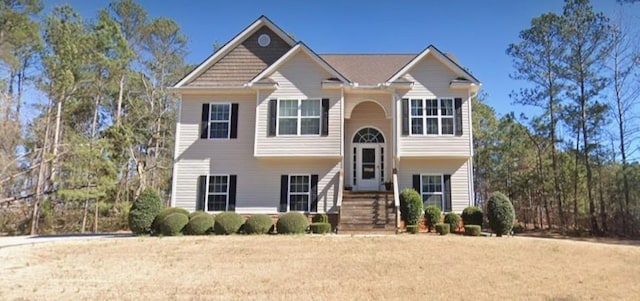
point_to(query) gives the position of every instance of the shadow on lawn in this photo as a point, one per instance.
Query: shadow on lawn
(106, 235)
(595, 239)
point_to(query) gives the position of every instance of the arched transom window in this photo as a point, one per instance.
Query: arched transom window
(368, 135)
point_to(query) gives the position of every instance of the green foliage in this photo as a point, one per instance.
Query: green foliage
(453, 219)
(320, 228)
(197, 213)
(320, 218)
(443, 228)
(500, 214)
(292, 223)
(472, 216)
(413, 229)
(144, 211)
(172, 224)
(199, 224)
(517, 229)
(410, 206)
(227, 223)
(432, 216)
(258, 224)
(165, 212)
(472, 230)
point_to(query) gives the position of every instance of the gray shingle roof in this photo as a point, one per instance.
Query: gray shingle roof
(368, 69)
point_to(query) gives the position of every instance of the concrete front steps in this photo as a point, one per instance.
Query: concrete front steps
(367, 212)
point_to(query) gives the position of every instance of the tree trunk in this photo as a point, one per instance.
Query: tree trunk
(84, 216)
(587, 163)
(95, 218)
(120, 96)
(41, 174)
(575, 182)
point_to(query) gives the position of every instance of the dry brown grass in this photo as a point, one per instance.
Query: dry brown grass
(425, 267)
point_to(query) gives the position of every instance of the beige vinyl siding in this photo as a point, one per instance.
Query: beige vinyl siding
(299, 78)
(367, 114)
(431, 80)
(258, 180)
(457, 168)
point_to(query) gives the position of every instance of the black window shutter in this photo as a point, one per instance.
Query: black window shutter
(405, 116)
(234, 121)
(202, 193)
(314, 193)
(204, 124)
(416, 183)
(273, 113)
(284, 193)
(447, 193)
(232, 193)
(325, 117)
(458, 116)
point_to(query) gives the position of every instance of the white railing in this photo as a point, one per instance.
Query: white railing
(396, 198)
(340, 188)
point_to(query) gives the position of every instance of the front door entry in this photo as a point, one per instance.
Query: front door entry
(368, 167)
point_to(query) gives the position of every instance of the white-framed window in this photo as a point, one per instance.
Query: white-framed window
(299, 117)
(299, 192)
(217, 193)
(219, 120)
(432, 116)
(432, 190)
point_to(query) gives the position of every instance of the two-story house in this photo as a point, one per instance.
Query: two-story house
(266, 125)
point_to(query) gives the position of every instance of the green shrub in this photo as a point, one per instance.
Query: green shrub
(413, 229)
(166, 212)
(442, 228)
(453, 219)
(172, 224)
(410, 206)
(200, 224)
(292, 223)
(144, 211)
(472, 230)
(320, 228)
(431, 216)
(472, 216)
(258, 224)
(320, 218)
(197, 213)
(500, 214)
(227, 223)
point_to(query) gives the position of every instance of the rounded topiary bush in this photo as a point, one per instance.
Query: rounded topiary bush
(320, 218)
(320, 228)
(200, 224)
(410, 206)
(144, 211)
(500, 214)
(166, 212)
(172, 224)
(197, 213)
(453, 219)
(431, 216)
(292, 223)
(413, 229)
(443, 228)
(258, 224)
(472, 216)
(472, 230)
(227, 223)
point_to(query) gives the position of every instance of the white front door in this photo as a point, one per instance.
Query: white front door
(367, 166)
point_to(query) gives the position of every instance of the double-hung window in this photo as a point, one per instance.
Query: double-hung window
(432, 116)
(219, 120)
(299, 192)
(218, 193)
(433, 190)
(299, 116)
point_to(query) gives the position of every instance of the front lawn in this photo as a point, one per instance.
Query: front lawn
(413, 267)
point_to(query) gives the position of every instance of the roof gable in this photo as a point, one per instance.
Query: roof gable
(300, 47)
(242, 50)
(368, 69)
(444, 59)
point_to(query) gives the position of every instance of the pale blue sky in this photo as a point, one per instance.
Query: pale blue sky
(476, 32)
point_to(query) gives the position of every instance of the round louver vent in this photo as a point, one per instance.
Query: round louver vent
(264, 40)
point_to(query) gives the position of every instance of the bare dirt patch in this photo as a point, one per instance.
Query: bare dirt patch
(320, 268)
